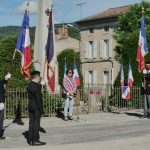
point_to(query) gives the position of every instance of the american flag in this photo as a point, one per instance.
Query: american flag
(23, 45)
(142, 46)
(50, 67)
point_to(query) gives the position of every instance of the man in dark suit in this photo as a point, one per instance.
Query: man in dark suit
(146, 89)
(3, 83)
(35, 107)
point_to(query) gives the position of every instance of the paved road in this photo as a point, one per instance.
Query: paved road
(103, 131)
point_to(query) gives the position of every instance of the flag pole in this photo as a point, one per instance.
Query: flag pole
(27, 7)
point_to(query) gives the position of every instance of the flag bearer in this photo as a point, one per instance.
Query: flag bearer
(3, 83)
(35, 107)
(146, 89)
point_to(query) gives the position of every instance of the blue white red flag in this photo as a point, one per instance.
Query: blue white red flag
(122, 76)
(23, 46)
(50, 69)
(142, 46)
(126, 92)
(65, 68)
(76, 75)
(130, 76)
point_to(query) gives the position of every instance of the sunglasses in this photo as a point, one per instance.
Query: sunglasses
(70, 72)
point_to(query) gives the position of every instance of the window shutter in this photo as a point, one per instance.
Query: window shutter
(86, 77)
(110, 48)
(101, 48)
(94, 76)
(95, 50)
(86, 49)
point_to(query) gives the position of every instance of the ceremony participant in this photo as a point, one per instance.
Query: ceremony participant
(146, 89)
(70, 89)
(3, 83)
(35, 107)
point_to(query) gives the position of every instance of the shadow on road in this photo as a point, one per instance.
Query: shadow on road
(134, 114)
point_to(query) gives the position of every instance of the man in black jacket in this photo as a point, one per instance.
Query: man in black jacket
(3, 83)
(35, 107)
(146, 89)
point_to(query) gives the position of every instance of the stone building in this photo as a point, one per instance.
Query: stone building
(97, 46)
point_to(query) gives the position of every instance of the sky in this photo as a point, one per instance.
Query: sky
(11, 11)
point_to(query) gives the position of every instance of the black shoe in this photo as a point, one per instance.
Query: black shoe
(2, 138)
(30, 142)
(38, 143)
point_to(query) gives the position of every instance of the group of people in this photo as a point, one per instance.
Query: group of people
(35, 104)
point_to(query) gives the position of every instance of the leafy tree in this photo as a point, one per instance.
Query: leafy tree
(7, 64)
(69, 55)
(127, 35)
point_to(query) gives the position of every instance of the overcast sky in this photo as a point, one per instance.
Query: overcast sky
(11, 11)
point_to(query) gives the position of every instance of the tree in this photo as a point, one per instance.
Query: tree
(7, 64)
(127, 35)
(70, 55)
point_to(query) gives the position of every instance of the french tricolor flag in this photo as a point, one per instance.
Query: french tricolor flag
(76, 75)
(142, 46)
(122, 76)
(130, 76)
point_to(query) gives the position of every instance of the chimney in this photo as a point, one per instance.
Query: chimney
(62, 32)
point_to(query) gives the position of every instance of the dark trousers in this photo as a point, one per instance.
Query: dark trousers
(1, 122)
(146, 104)
(34, 125)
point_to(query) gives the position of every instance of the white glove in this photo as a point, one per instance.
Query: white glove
(144, 71)
(8, 76)
(1, 106)
(43, 82)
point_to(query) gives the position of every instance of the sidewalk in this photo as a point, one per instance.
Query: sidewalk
(101, 131)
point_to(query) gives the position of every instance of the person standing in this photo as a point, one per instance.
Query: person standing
(70, 88)
(146, 89)
(3, 83)
(35, 107)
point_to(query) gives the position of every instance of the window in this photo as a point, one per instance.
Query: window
(106, 28)
(106, 78)
(106, 48)
(91, 30)
(91, 79)
(91, 49)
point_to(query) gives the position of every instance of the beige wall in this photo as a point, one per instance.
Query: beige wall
(69, 42)
(101, 64)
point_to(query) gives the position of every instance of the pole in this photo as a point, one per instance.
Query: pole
(80, 5)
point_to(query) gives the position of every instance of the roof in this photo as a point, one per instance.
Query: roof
(110, 13)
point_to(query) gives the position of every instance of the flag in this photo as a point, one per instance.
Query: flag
(122, 76)
(130, 76)
(23, 46)
(50, 61)
(126, 92)
(65, 68)
(76, 75)
(142, 46)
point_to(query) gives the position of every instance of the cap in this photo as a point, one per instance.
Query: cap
(35, 73)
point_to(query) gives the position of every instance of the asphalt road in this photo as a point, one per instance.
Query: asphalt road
(104, 131)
